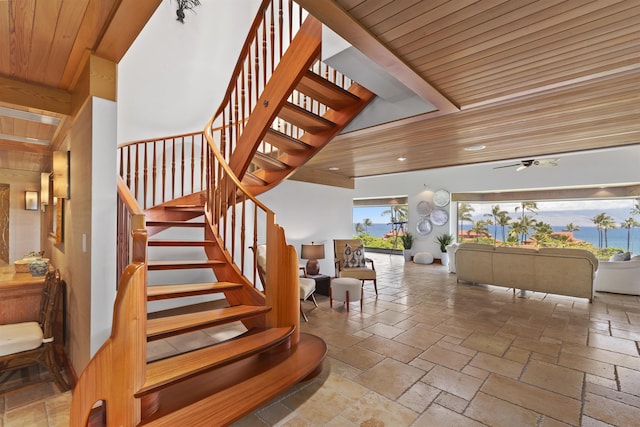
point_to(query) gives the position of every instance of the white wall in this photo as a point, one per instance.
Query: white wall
(174, 76)
(312, 212)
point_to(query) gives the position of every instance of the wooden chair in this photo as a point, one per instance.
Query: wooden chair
(351, 261)
(27, 343)
(307, 286)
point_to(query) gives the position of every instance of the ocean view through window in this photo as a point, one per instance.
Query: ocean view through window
(603, 226)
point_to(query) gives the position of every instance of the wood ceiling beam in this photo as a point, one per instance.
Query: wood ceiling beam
(336, 18)
(125, 25)
(35, 96)
(9, 145)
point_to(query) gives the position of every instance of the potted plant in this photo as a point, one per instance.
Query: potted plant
(407, 243)
(445, 239)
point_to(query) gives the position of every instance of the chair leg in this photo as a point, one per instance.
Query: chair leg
(330, 297)
(375, 285)
(347, 301)
(304, 316)
(313, 298)
(361, 298)
(54, 369)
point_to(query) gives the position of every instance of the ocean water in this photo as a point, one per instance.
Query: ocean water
(617, 238)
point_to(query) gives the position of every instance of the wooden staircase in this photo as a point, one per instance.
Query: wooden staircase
(280, 153)
(256, 139)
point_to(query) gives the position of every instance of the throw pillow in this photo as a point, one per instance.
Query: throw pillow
(347, 256)
(358, 257)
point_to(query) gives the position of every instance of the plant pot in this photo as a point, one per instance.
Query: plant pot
(407, 254)
(444, 259)
(39, 267)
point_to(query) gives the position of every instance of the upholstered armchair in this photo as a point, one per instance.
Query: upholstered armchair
(307, 286)
(350, 261)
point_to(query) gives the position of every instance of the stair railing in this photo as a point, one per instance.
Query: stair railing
(131, 230)
(163, 169)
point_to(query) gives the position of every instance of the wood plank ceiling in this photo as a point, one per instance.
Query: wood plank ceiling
(43, 46)
(528, 78)
(524, 78)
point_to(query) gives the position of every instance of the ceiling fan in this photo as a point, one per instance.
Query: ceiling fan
(524, 164)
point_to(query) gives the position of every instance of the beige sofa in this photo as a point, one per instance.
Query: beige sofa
(560, 271)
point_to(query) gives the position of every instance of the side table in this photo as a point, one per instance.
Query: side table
(323, 283)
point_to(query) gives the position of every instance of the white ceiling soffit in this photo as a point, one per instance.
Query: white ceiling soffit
(394, 100)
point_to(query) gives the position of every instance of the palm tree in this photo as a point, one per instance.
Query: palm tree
(399, 216)
(464, 214)
(543, 231)
(527, 206)
(359, 228)
(516, 229)
(495, 214)
(367, 223)
(503, 221)
(526, 222)
(571, 228)
(608, 223)
(597, 220)
(636, 208)
(480, 228)
(629, 223)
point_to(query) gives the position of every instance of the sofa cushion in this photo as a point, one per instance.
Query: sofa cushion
(621, 256)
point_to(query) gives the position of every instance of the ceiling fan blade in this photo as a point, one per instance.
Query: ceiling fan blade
(547, 162)
(522, 167)
(508, 166)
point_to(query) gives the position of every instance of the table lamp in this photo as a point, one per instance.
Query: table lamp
(312, 252)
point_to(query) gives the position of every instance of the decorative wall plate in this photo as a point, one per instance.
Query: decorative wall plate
(441, 198)
(424, 208)
(424, 226)
(439, 217)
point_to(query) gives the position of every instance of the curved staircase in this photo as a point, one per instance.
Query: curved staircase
(187, 204)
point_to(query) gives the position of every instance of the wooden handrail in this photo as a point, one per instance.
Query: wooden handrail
(131, 226)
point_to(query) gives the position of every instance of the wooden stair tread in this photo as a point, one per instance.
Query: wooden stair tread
(250, 179)
(159, 292)
(163, 327)
(182, 264)
(187, 208)
(173, 369)
(267, 162)
(174, 224)
(228, 393)
(284, 142)
(304, 119)
(167, 242)
(325, 92)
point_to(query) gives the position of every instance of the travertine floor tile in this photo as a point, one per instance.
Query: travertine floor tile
(542, 401)
(496, 412)
(610, 411)
(619, 345)
(457, 383)
(498, 365)
(555, 378)
(437, 415)
(444, 357)
(491, 344)
(390, 378)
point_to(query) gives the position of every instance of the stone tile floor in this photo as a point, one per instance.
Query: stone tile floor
(430, 352)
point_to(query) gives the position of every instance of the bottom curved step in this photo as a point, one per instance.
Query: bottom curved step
(227, 394)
